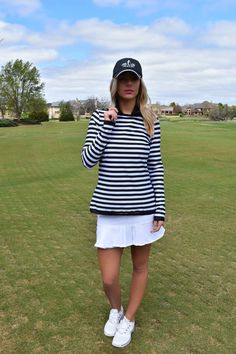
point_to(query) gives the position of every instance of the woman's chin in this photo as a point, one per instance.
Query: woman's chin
(128, 96)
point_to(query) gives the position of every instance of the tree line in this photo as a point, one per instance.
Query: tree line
(21, 92)
(71, 110)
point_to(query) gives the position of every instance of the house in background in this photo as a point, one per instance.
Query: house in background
(156, 107)
(202, 109)
(162, 109)
(53, 110)
(7, 115)
(167, 110)
(54, 107)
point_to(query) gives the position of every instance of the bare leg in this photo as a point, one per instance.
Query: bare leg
(140, 256)
(109, 262)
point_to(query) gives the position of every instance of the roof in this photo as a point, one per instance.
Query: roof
(54, 104)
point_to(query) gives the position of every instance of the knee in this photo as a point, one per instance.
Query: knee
(109, 281)
(140, 268)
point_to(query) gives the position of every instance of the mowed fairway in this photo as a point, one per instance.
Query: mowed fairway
(51, 294)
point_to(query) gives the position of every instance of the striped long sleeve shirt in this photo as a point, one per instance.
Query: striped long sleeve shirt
(131, 172)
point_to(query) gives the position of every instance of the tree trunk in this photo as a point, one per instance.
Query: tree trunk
(2, 113)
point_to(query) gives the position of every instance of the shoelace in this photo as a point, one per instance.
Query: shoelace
(124, 327)
(114, 316)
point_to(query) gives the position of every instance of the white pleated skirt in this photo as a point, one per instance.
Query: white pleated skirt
(125, 230)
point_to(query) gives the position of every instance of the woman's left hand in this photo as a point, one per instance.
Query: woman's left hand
(157, 225)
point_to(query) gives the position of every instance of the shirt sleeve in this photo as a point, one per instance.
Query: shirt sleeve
(156, 171)
(96, 139)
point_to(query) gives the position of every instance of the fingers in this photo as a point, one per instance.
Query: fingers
(113, 109)
(111, 114)
(156, 225)
(155, 229)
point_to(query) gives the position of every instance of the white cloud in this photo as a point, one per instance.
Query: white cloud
(176, 66)
(172, 25)
(16, 44)
(173, 70)
(19, 41)
(221, 34)
(57, 36)
(111, 36)
(12, 33)
(184, 76)
(27, 53)
(22, 7)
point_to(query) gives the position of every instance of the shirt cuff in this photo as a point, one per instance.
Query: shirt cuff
(157, 218)
(110, 122)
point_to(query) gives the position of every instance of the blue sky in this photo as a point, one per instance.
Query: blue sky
(187, 48)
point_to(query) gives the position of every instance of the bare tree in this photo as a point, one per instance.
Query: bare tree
(90, 105)
(77, 108)
(223, 112)
(103, 103)
(177, 109)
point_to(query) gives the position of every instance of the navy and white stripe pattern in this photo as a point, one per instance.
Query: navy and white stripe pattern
(131, 172)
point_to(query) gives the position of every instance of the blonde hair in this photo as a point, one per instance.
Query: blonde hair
(143, 101)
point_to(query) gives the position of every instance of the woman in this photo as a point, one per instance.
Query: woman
(129, 197)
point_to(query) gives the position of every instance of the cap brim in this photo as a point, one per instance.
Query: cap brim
(116, 76)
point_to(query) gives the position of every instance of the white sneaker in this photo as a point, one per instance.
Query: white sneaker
(114, 318)
(123, 333)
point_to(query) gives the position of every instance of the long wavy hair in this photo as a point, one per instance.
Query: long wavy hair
(143, 101)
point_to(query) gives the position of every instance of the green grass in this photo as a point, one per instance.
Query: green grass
(51, 293)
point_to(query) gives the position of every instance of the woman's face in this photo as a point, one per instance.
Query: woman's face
(128, 85)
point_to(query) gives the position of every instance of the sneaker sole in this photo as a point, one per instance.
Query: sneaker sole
(109, 334)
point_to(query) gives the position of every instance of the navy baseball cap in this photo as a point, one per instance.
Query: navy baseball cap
(127, 64)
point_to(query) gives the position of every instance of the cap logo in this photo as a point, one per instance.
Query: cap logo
(128, 64)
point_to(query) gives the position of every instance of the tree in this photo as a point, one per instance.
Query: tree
(177, 109)
(103, 103)
(82, 110)
(90, 105)
(3, 107)
(20, 84)
(77, 108)
(223, 112)
(38, 109)
(3, 102)
(37, 104)
(220, 105)
(66, 113)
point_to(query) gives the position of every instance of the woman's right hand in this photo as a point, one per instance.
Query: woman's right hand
(111, 114)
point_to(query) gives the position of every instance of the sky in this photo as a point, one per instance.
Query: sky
(187, 49)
